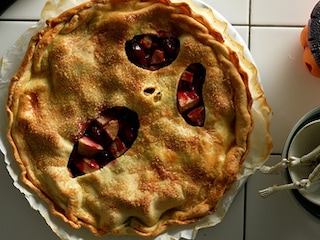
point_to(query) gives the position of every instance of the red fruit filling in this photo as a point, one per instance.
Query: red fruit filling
(104, 139)
(197, 115)
(87, 165)
(152, 52)
(88, 147)
(187, 76)
(187, 100)
(189, 94)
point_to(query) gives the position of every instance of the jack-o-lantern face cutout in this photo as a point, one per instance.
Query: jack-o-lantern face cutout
(113, 132)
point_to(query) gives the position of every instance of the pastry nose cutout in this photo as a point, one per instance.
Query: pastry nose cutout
(153, 92)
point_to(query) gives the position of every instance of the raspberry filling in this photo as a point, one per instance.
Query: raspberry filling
(189, 94)
(104, 139)
(152, 52)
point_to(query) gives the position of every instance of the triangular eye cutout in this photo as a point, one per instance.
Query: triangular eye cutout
(152, 52)
(105, 139)
(189, 94)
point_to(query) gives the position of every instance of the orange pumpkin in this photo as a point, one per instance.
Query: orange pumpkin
(308, 58)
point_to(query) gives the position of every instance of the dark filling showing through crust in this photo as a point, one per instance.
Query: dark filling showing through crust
(105, 139)
(189, 94)
(152, 52)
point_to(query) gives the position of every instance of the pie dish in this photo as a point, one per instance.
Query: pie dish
(126, 124)
(301, 140)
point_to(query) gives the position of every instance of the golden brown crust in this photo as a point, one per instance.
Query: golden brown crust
(173, 173)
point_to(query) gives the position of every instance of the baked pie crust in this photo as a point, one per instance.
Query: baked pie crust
(173, 97)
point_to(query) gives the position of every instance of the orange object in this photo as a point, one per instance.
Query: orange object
(308, 59)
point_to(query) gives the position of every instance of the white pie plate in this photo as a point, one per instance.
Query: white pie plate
(9, 65)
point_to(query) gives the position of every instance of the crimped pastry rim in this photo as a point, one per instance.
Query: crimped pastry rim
(259, 95)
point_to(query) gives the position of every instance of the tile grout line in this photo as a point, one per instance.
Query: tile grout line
(18, 20)
(245, 185)
(249, 25)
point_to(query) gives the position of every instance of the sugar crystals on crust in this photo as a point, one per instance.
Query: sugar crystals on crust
(129, 117)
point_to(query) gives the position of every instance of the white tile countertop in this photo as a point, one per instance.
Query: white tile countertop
(272, 31)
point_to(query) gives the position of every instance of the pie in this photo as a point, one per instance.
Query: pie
(130, 117)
